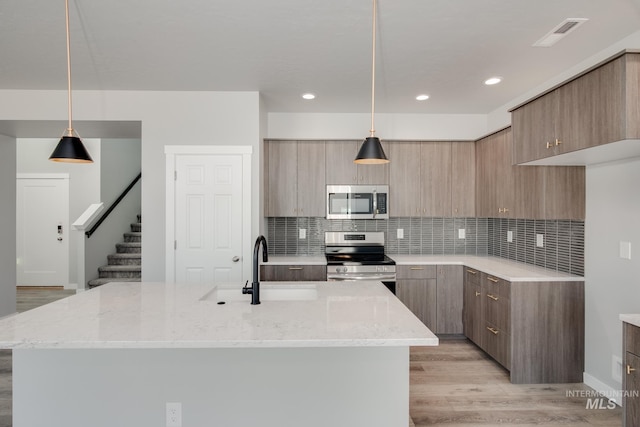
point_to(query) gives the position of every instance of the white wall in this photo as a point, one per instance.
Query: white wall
(8, 226)
(84, 180)
(168, 118)
(612, 284)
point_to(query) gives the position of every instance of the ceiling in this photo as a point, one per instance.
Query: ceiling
(282, 48)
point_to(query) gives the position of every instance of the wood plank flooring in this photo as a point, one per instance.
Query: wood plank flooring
(457, 384)
(454, 384)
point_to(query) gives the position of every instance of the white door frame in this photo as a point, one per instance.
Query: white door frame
(67, 228)
(171, 151)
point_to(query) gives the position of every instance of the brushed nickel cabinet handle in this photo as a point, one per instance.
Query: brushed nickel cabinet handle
(630, 369)
(417, 268)
(493, 297)
(478, 293)
(558, 142)
(493, 331)
(471, 271)
(549, 145)
(295, 268)
(492, 279)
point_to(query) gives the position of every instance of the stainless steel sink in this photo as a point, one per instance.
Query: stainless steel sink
(268, 292)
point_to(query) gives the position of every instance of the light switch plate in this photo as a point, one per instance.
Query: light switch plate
(625, 250)
(400, 233)
(540, 240)
(462, 233)
(302, 233)
(509, 236)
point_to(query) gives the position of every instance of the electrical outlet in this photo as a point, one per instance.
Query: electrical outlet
(462, 233)
(510, 236)
(302, 233)
(625, 250)
(540, 240)
(174, 414)
(400, 233)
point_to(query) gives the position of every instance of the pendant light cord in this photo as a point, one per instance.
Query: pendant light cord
(70, 128)
(373, 69)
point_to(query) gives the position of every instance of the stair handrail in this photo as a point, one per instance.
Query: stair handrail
(113, 205)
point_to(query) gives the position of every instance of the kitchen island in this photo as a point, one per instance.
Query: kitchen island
(313, 354)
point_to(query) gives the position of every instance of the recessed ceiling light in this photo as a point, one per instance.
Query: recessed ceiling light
(493, 81)
(309, 96)
(422, 97)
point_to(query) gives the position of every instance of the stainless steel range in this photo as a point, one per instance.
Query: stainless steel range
(353, 255)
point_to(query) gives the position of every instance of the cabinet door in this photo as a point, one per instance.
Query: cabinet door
(534, 128)
(404, 179)
(435, 176)
(419, 295)
(373, 174)
(564, 192)
(449, 299)
(311, 178)
(463, 176)
(282, 178)
(494, 176)
(472, 317)
(632, 385)
(340, 168)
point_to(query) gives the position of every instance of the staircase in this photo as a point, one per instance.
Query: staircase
(125, 264)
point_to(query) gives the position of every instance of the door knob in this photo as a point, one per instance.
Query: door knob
(235, 259)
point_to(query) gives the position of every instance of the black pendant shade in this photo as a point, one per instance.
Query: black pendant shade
(70, 149)
(371, 152)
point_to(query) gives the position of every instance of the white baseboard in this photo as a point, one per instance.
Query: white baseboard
(602, 388)
(71, 286)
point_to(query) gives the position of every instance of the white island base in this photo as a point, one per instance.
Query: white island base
(311, 387)
(313, 354)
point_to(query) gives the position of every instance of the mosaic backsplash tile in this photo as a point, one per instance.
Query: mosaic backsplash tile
(563, 240)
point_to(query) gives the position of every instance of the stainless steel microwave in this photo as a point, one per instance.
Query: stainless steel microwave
(357, 201)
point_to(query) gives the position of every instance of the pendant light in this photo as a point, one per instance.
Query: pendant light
(70, 148)
(371, 152)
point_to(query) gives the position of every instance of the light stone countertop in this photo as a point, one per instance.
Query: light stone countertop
(633, 319)
(160, 315)
(512, 271)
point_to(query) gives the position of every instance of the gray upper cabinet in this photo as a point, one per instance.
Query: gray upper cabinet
(495, 176)
(598, 107)
(341, 170)
(294, 173)
(432, 179)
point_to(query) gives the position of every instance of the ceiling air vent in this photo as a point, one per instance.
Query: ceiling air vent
(560, 31)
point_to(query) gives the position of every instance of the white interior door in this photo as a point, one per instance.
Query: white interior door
(208, 218)
(42, 230)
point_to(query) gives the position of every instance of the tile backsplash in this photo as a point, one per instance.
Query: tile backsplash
(563, 240)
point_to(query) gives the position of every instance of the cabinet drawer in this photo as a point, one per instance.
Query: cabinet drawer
(496, 311)
(293, 273)
(416, 272)
(496, 344)
(496, 286)
(632, 338)
(472, 276)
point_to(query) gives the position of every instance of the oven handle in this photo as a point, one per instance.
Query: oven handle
(342, 277)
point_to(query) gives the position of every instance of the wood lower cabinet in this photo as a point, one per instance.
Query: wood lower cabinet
(434, 294)
(631, 374)
(416, 287)
(533, 329)
(293, 273)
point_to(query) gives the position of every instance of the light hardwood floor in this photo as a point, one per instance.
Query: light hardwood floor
(457, 384)
(454, 384)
